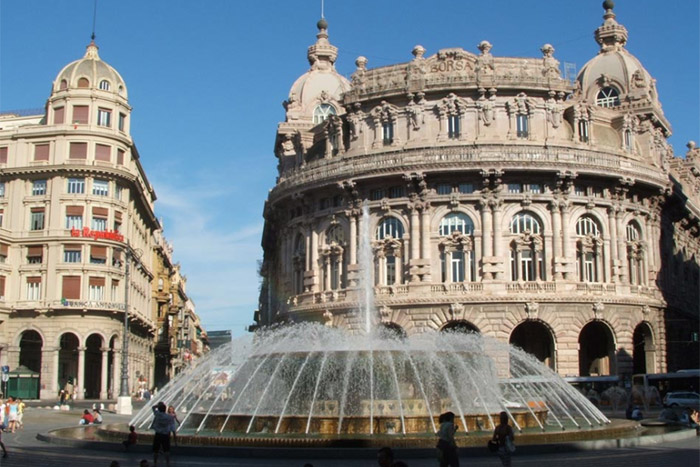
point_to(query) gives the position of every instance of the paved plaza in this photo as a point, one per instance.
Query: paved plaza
(25, 450)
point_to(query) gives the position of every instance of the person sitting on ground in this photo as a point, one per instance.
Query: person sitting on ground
(637, 413)
(131, 439)
(97, 416)
(87, 418)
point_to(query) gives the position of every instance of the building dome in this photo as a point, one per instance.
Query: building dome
(614, 73)
(90, 72)
(321, 88)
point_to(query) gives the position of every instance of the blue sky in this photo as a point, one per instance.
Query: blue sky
(206, 80)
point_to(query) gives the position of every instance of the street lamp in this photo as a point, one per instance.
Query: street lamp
(124, 399)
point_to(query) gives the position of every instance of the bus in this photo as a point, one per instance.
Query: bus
(600, 390)
(682, 380)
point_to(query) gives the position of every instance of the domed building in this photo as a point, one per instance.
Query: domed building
(502, 198)
(76, 225)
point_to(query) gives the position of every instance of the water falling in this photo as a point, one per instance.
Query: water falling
(366, 259)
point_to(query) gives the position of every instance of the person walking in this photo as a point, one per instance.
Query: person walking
(503, 436)
(11, 414)
(171, 412)
(20, 413)
(446, 446)
(163, 424)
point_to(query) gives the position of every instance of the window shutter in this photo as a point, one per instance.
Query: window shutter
(80, 114)
(117, 254)
(100, 212)
(59, 115)
(74, 210)
(3, 155)
(120, 157)
(97, 281)
(34, 280)
(37, 209)
(98, 252)
(36, 250)
(71, 287)
(4, 249)
(78, 151)
(118, 216)
(103, 152)
(41, 152)
(2, 286)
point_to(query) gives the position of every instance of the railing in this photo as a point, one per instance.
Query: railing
(515, 287)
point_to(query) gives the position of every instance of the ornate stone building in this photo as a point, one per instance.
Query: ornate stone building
(75, 205)
(503, 199)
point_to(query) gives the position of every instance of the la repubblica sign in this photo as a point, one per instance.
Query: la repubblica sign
(97, 234)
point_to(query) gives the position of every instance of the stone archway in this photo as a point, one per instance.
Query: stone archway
(536, 339)
(30, 346)
(391, 330)
(459, 326)
(644, 350)
(68, 359)
(596, 355)
(93, 366)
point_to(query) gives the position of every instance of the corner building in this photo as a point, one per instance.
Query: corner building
(503, 199)
(74, 199)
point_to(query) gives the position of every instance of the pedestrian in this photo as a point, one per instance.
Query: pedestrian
(97, 416)
(68, 389)
(385, 457)
(163, 424)
(171, 412)
(131, 439)
(2, 445)
(3, 419)
(11, 414)
(503, 435)
(447, 446)
(637, 413)
(20, 413)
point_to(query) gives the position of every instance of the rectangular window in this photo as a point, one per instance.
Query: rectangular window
(104, 117)
(100, 187)
(33, 288)
(396, 192)
(579, 190)
(515, 188)
(78, 151)
(99, 223)
(72, 254)
(589, 274)
(390, 270)
(526, 266)
(115, 287)
(74, 222)
(2, 189)
(583, 131)
(97, 288)
(41, 152)
(38, 187)
(2, 287)
(80, 114)
(453, 126)
(535, 188)
(117, 221)
(117, 257)
(71, 288)
(522, 125)
(324, 203)
(120, 157)
(59, 115)
(35, 254)
(466, 188)
(387, 133)
(3, 155)
(444, 189)
(76, 185)
(4, 252)
(118, 192)
(98, 254)
(627, 136)
(376, 195)
(36, 220)
(103, 152)
(122, 121)
(457, 266)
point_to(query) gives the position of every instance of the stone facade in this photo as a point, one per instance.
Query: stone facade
(75, 207)
(502, 199)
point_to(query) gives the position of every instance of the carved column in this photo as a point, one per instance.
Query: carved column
(425, 240)
(566, 239)
(307, 248)
(556, 238)
(621, 247)
(116, 370)
(81, 374)
(415, 226)
(327, 272)
(497, 236)
(377, 143)
(486, 238)
(314, 267)
(612, 226)
(104, 374)
(353, 239)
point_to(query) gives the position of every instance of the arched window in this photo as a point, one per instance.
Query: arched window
(635, 255)
(83, 83)
(527, 256)
(322, 112)
(299, 264)
(390, 227)
(590, 250)
(63, 85)
(608, 97)
(104, 85)
(457, 248)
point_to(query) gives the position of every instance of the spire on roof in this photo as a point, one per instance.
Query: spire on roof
(610, 35)
(322, 54)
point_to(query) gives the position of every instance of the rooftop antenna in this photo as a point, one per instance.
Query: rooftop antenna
(94, 20)
(321, 9)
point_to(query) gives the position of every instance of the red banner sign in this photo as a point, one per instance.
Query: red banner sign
(97, 234)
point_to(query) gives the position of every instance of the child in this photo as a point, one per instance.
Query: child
(133, 437)
(447, 447)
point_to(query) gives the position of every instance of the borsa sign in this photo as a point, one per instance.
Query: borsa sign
(97, 234)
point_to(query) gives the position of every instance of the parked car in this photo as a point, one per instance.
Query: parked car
(683, 399)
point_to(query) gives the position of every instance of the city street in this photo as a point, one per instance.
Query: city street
(25, 450)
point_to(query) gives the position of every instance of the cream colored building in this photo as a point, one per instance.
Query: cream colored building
(74, 200)
(503, 199)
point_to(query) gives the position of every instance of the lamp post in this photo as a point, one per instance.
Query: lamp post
(124, 399)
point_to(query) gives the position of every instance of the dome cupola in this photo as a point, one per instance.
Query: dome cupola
(90, 72)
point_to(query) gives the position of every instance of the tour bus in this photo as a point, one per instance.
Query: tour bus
(597, 383)
(682, 380)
